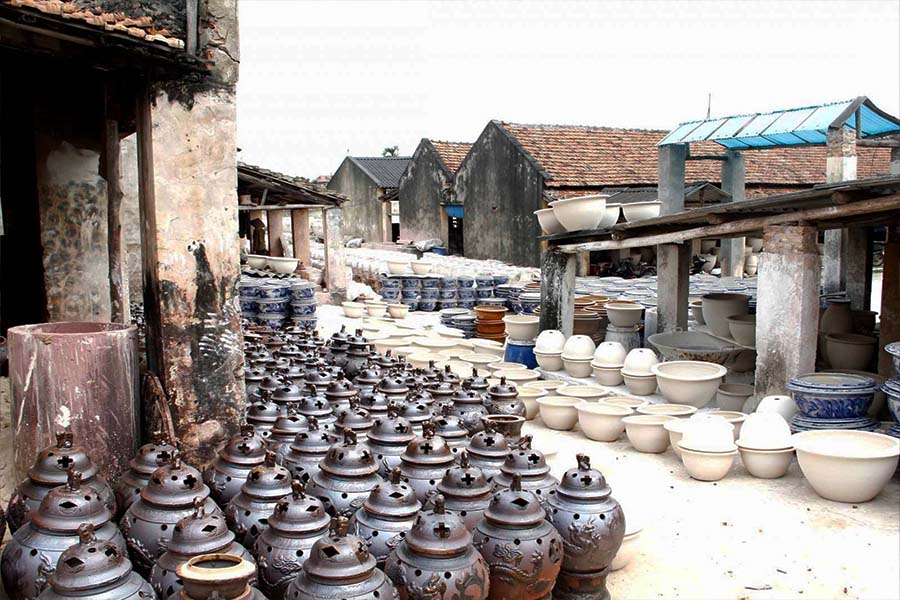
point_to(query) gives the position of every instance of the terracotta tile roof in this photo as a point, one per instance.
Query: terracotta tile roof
(141, 28)
(452, 153)
(580, 156)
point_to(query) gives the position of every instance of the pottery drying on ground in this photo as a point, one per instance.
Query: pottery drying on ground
(340, 567)
(314, 405)
(218, 577)
(466, 491)
(523, 551)
(248, 512)
(284, 431)
(149, 458)
(356, 419)
(424, 462)
(295, 525)
(452, 429)
(262, 415)
(346, 476)
(50, 469)
(487, 450)
(198, 534)
(417, 415)
(385, 517)
(31, 555)
(531, 465)
(388, 439)
(307, 450)
(229, 470)
(437, 561)
(503, 399)
(468, 405)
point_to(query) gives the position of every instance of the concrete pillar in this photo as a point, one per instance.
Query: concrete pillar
(300, 233)
(387, 222)
(335, 270)
(673, 268)
(840, 165)
(787, 307)
(582, 263)
(558, 290)
(858, 259)
(895, 161)
(672, 160)
(731, 255)
(275, 220)
(889, 326)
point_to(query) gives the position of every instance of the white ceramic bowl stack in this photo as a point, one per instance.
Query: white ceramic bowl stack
(609, 358)
(707, 447)
(766, 445)
(637, 371)
(548, 349)
(577, 354)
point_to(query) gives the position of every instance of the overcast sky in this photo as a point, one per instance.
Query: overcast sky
(320, 80)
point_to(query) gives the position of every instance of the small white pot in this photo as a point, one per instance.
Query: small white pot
(376, 309)
(518, 376)
(579, 346)
(624, 313)
(646, 432)
(639, 361)
(639, 385)
(398, 311)
(529, 397)
(353, 310)
(783, 405)
(766, 464)
(548, 221)
(396, 267)
(707, 466)
(689, 381)
(672, 410)
(601, 422)
(637, 211)
(610, 216)
(587, 393)
(549, 361)
(550, 341)
(558, 412)
(420, 359)
(610, 376)
(627, 402)
(420, 267)
(487, 346)
(732, 396)
(577, 367)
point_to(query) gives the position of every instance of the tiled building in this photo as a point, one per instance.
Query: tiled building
(372, 185)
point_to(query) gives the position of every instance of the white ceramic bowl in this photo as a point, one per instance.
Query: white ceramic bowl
(398, 311)
(639, 361)
(548, 221)
(707, 466)
(434, 344)
(420, 360)
(577, 367)
(639, 385)
(583, 212)
(766, 464)
(388, 345)
(397, 267)
(675, 427)
(743, 329)
(719, 306)
(420, 267)
(284, 265)
(708, 434)
(479, 361)
(522, 327)
(610, 354)
(732, 396)
(529, 397)
(611, 376)
(256, 261)
(627, 551)
(846, 465)
(550, 341)
(646, 432)
(518, 376)
(558, 412)
(376, 309)
(503, 365)
(579, 346)
(610, 216)
(353, 310)
(487, 346)
(765, 431)
(673, 410)
(627, 402)
(783, 405)
(635, 211)
(623, 313)
(587, 393)
(549, 385)
(601, 422)
(689, 381)
(736, 418)
(407, 351)
(549, 361)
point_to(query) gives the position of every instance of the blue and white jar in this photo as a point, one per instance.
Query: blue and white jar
(272, 306)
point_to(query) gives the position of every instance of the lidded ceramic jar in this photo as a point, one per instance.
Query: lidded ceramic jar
(262, 415)
(531, 465)
(592, 539)
(523, 551)
(503, 399)
(487, 450)
(218, 577)
(357, 355)
(466, 491)
(374, 402)
(431, 373)
(318, 378)
(297, 522)
(452, 429)
(34, 549)
(437, 545)
(286, 395)
(442, 390)
(368, 377)
(149, 458)
(266, 388)
(339, 392)
(292, 372)
(197, 534)
(253, 376)
(307, 450)
(346, 476)
(313, 405)
(424, 461)
(169, 497)
(248, 512)
(284, 431)
(417, 415)
(340, 567)
(448, 376)
(477, 383)
(394, 387)
(356, 419)
(386, 515)
(388, 439)
(384, 362)
(229, 470)
(469, 405)
(419, 395)
(51, 469)
(416, 379)
(260, 358)
(96, 569)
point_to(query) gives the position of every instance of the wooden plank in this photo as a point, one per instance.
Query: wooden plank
(276, 231)
(118, 302)
(251, 208)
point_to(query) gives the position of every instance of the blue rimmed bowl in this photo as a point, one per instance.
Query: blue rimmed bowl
(300, 309)
(465, 281)
(449, 282)
(427, 305)
(429, 282)
(894, 350)
(411, 282)
(832, 395)
(500, 279)
(484, 292)
(409, 293)
(272, 307)
(391, 282)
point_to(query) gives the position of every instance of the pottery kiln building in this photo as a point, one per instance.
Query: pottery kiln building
(513, 170)
(428, 206)
(82, 80)
(371, 184)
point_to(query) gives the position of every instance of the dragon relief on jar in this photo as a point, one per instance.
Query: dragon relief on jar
(280, 564)
(582, 540)
(432, 589)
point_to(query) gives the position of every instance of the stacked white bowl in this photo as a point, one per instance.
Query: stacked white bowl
(548, 349)
(637, 371)
(577, 354)
(609, 358)
(766, 445)
(707, 447)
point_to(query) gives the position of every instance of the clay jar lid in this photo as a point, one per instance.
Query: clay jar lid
(292, 372)
(438, 533)
(152, 456)
(349, 459)
(299, 515)
(449, 376)
(448, 426)
(515, 508)
(340, 336)
(268, 482)
(263, 412)
(391, 430)
(318, 378)
(286, 393)
(479, 384)
(503, 390)
(254, 373)
(200, 533)
(67, 506)
(356, 418)
(393, 385)
(420, 395)
(340, 388)
(339, 557)
(392, 499)
(271, 383)
(175, 485)
(466, 395)
(442, 389)
(90, 564)
(584, 484)
(358, 340)
(416, 379)
(489, 444)
(291, 350)
(312, 405)
(386, 361)
(464, 480)
(245, 448)
(374, 402)
(368, 376)
(52, 465)
(525, 461)
(416, 413)
(429, 450)
(313, 441)
(280, 363)
(289, 426)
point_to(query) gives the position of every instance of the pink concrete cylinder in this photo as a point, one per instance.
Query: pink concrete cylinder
(84, 375)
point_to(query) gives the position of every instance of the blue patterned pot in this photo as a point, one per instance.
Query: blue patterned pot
(466, 281)
(427, 305)
(272, 307)
(249, 289)
(528, 306)
(832, 395)
(428, 293)
(891, 389)
(492, 301)
(449, 282)
(447, 294)
(390, 293)
(412, 282)
(390, 282)
(248, 305)
(442, 304)
(466, 303)
(273, 321)
(429, 282)
(303, 309)
(412, 303)
(466, 293)
(484, 281)
(484, 292)
(303, 292)
(500, 279)
(409, 293)
(894, 350)
(305, 322)
(273, 292)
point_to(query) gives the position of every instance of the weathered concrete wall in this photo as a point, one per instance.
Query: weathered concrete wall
(500, 189)
(364, 213)
(72, 200)
(131, 217)
(421, 192)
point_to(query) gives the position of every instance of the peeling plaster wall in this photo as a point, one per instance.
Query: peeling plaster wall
(72, 201)
(421, 193)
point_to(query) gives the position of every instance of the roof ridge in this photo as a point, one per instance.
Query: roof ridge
(582, 127)
(381, 157)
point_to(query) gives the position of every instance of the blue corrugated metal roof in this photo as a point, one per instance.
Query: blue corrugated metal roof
(792, 127)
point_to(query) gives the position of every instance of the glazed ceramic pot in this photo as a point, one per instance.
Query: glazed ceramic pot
(581, 213)
(646, 432)
(849, 351)
(248, 512)
(385, 517)
(719, 306)
(424, 462)
(601, 422)
(346, 476)
(307, 450)
(149, 458)
(531, 465)
(558, 412)
(388, 439)
(832, 395)
(229, 470)
(689, 382)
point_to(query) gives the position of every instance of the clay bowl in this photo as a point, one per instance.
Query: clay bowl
(577, 367)
(490, 327)
(587, 393)
(732, 396)
(529, 397)
(719, 306)
(850, 351)
(639, 385)
(522, 327)
(584, 212)
(550, 341)
(490, 313)
(632, 403)
(706, 466)
(646, 433)
(636, 211)
(579, 347)
(639, 361)
(479, 361)
(743, 329)
(548, 221)
(518, 376)
(549, 361)
(397, 267)
(766, 464)
(420, 359)
(736, 418)
(623, 313)
(689, 382)
(601, 422)
(376, 309)
(398, 311)
(503, 365)
(353, 310)
(421, 267)
(672, 410)
(558, 412)
(487, 347)
(382, 346)
(609, 376)
(550, 385)
(697, 311)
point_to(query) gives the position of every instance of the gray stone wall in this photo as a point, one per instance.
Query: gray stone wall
(421, 193)
(500, 189)
(131, 217)
(363, 214)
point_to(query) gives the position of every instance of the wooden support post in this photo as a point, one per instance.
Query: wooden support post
(118, 282)
(558, 291)
(787, 307)
(300, 232)
(276, 231)
(335, 269)
(673, 270)
(889, 327)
